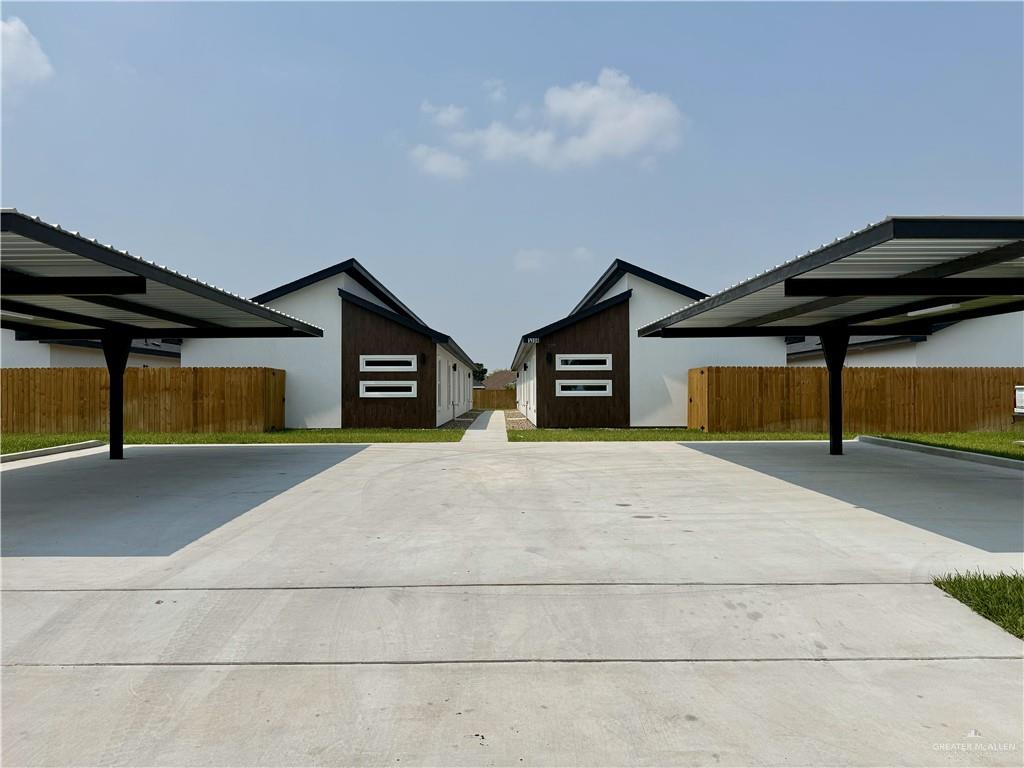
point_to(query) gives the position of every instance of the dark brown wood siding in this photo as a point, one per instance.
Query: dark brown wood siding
(603, 333)
(366, 333)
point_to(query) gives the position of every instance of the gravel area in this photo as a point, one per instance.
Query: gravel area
(515, 421)
(463, 421)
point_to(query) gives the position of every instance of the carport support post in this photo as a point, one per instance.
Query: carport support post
(115, 352)
(834, 345)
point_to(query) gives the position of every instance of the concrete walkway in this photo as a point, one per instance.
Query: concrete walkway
(588, 604)
(488, 429)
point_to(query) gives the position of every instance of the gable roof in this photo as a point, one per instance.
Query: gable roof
(617, 269)
(353, 269)
(437, 337)
(500, 380)
(529, 339)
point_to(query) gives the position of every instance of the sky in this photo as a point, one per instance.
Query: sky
(488, 162)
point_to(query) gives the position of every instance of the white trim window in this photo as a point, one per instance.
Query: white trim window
(388, 363)
(583, 388)
(387, 388)
(583, 362)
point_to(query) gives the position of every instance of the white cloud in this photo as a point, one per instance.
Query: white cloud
(24, 61)
(529, 260)
(582, 255)
(583, 124)
(449, 116)
(438, 162)
(495, 90)
(538, 259)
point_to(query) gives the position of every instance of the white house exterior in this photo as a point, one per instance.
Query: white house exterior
(658, 368)
(984, 342)
(145, 353)
(315, 379)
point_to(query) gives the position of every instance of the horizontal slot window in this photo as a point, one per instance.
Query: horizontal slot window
(387, 389)
(583, 362)
(387, 363)
(583, 388)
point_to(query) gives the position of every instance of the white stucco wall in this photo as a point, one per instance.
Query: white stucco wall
(451, 387)
(82, 357)
(658, 368)
(988, 341)
(526, 386)
(22, 354)
(32, 354)
(894, 356)
(312, 365)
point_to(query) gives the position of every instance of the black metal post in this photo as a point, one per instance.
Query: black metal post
(834, 346)
(115, 352)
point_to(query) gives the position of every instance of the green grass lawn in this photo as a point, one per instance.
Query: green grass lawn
(679, 434)
(990, 443)
(11, 443)
(999, 597)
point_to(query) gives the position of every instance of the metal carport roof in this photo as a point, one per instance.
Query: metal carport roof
(56, 284)
(785, 301)
(902, 276)
(59, 284)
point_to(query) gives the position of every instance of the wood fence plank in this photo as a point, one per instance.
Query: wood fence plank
(54, 400)
(769, 399)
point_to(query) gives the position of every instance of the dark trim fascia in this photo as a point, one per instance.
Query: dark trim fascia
(55, 237)
(1010, 228)
(351, 267)
(437, 337)
(17, 283)
(924, 326)
(618, 268)
(29, 331)
(904, 286)
(565, 322)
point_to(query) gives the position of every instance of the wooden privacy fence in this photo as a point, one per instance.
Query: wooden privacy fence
(726, 399)
(45, 400)
(494, 399)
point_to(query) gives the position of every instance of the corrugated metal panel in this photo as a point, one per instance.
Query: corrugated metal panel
(203, 303)
(889, 259)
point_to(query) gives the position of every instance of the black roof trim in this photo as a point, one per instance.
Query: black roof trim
(893, 227)
(34, 228)
(350, 266)
(565, 322)
(436, 336)
(618, 268)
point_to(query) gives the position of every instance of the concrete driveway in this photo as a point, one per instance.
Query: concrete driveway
(506, 604)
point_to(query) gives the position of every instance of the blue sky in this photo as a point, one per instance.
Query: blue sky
(487, 162)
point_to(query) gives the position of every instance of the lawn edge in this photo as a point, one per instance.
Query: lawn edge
(949, 453)
(51, 450)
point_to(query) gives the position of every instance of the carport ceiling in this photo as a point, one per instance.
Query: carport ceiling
(57, 284)
(900, 276)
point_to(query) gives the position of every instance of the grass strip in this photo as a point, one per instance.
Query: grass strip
(990, 443)
(998, 597)
(15, 442)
